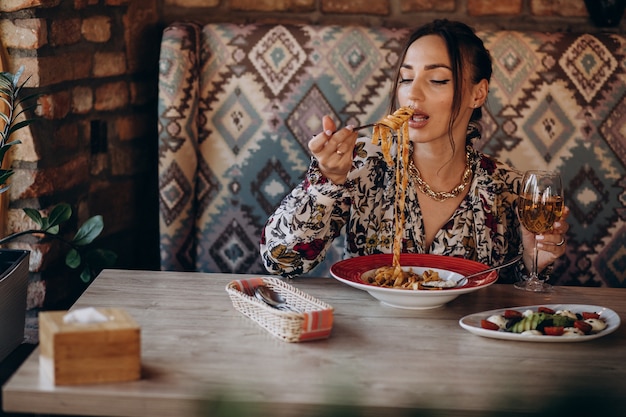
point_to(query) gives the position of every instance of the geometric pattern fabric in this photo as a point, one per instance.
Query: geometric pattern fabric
(238, 103)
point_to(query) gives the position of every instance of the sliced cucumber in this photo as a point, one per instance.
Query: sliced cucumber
(529, 322)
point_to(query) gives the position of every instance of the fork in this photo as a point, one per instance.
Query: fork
(364, 126)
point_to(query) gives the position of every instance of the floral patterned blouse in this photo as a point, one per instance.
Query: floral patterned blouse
(484, 227)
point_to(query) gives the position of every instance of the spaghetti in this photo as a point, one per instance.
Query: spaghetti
(384, 277)
(383, 135)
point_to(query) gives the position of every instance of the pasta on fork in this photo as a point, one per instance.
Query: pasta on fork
(383, 135)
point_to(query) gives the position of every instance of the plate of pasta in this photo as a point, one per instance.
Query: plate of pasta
(413, 291)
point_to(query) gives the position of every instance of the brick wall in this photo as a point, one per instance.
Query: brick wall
(95, 62)
(565, 15)
(94, 144)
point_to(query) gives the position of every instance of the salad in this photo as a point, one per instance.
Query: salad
(546, 321)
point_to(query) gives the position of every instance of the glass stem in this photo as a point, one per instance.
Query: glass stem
(534, 275)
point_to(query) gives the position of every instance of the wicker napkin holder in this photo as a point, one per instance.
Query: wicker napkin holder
(85, 353)
(314, 319)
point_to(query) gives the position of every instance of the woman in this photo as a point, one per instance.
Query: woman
(459, 202)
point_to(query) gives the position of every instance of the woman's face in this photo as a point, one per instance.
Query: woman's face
(426, 84)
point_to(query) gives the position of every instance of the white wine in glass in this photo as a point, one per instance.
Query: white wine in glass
(540, 204)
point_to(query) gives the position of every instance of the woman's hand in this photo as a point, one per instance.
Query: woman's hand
(333, 150)
(551, 245)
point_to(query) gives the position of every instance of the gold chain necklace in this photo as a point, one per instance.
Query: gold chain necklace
(441, 195)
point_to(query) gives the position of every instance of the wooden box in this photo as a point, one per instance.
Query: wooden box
(83, 353)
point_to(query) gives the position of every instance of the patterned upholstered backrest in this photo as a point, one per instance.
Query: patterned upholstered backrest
(237, 105)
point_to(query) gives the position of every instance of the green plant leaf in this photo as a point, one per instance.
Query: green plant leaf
(54, 230)
(95, 261)
(60, 214)
(5, 174)
(86, 275)
(15, 77)
(6, 147)
(90, 230)
(34, 215)
(3, 150)
(73, 259)
(18, 126)
(10, 89)
(28, 98)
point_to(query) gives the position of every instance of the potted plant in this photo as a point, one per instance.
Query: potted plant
(14, 263)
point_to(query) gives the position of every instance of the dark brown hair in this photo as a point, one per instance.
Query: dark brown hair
(464, 48)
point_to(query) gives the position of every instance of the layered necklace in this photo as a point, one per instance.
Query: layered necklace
(441, 195)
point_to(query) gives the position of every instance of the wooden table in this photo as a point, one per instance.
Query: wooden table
(196, 346)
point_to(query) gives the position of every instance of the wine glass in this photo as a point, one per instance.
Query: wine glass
(540, 205)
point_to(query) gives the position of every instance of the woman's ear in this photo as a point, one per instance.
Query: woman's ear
(480, 92)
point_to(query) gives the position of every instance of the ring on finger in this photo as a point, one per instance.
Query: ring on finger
(562, 242)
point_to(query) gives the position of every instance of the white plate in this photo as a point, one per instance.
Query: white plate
(350, 272)
(471, 323)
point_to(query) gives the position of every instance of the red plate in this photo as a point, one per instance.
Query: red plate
(351, 269)
(349, 272)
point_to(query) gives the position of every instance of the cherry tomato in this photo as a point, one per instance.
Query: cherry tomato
(512, 314)
(553, 330)
(486, 324)
(546, 310)
(582, 326)
(589, 315)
